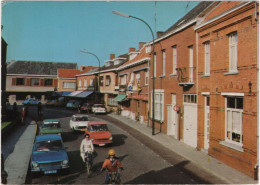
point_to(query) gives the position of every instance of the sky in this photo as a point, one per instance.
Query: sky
(56, 31)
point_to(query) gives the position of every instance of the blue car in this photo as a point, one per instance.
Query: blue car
(49, 155)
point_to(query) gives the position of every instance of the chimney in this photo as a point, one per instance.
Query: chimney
(159, 34)
(131, 50)
(112, 56)
(141, 44)
(82, 68)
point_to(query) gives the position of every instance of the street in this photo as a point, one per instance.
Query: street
(144, 162)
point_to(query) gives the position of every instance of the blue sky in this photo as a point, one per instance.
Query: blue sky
(57, 31)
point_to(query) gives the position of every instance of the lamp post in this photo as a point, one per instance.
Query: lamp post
(86, 52)
(130, 16)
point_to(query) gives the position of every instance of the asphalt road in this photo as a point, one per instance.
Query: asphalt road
(145, 162)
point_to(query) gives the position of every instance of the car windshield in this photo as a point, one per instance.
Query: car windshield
(51, 125)
(81, 119)
(49, 145)
(95, 128)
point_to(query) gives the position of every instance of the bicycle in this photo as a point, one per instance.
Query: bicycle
(88, 162)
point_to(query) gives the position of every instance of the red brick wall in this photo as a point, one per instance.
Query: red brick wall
(245, 26)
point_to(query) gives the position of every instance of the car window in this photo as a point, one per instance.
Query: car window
(49, 145)
(81, 119)
(95, 128)
(51, 125)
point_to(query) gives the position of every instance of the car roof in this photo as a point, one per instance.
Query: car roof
(46, 137)
(80, 115)
(51, 121)
(97, 123)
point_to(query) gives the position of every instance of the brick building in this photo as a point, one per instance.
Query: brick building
(228, 84)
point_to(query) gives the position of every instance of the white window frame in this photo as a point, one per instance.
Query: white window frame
(146, 80)
(69, 85)
(207, 58)
(154, 67)
(233, 40)
(190, 63)
(91, 83)
(174, 60)
(80, 83)
(164, 62)
(158, 105)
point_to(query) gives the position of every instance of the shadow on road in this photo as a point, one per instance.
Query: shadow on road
(172, 175)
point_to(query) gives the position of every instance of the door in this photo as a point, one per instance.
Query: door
(206, 123)
(190, 124)
(172, 118)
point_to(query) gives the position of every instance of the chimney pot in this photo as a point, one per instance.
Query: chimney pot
(131, 50)
(112, 56)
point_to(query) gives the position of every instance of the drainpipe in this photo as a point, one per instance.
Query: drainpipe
(257, 164)
(197, 78)
(148, 120)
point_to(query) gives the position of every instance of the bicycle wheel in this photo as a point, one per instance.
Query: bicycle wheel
(88, 165)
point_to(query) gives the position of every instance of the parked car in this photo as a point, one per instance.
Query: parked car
(99, 109)
(73, 104)
(86, 107)
(50, 126)
(99, 133)
(31, 101)
(49, 155)
(79, 122)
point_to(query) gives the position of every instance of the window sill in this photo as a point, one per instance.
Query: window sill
(205, 76)
(173, 74)
(162, 76)
(232, 145)
(231, 73)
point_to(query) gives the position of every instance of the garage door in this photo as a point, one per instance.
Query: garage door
(190, 124)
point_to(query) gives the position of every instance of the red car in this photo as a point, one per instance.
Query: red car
(99, 133)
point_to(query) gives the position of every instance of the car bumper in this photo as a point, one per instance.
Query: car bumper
(102, 142)
(50, 169)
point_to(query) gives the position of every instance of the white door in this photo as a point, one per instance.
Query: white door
(171, 121)
(206, 123)
(190, 124)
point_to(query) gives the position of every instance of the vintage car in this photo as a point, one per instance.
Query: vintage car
(99, 133)
(31, 101)
(86, 107)
(49, 155)
(79, 122)
(99, 109)
(72, 104)
(50, 126)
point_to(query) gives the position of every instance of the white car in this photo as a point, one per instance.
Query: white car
(31, 101)
(79, 122)
(99, 108)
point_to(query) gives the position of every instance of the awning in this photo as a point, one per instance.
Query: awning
(84, 94)
(74, 93)
(120, 97)
(65, 93)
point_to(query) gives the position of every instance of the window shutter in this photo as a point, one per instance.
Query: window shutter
(27, 81)
(13, 81)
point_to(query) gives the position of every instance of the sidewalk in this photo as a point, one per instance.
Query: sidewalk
(17, 162)
(217, 168)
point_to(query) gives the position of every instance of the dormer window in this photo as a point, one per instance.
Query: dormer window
(109, 63)
(132, 55)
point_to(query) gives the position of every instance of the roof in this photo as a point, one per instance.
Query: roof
(47, 137)
(97, 123)
(191, 15)
(38, 68)
(68, 73)
(91, 72)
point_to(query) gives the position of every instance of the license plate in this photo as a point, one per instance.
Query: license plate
(101, 144)
(50, 171)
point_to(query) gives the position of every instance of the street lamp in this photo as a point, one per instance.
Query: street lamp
(130, 16)
(86, 52)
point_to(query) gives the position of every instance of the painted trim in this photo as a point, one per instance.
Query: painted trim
(232, 94)
(205, 93)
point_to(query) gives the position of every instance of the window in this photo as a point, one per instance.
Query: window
(80, 82)
(233, 52)
(207, 58)
(123, 80)
(85, 83)
(234, 111)
(154, 67)
(108, 80)
(47, 82)
(190, 98)
(101, 80)
(158, 105)
(137, 79)
(164, 62)
(146, 78)
(35, 81)
(191, 63)
(174, 60)
(91, 83)
(20, 81)
(69, 85)
(112, 102)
